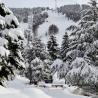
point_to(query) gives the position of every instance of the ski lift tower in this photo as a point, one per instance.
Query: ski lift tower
(30, 21)
(30, 25)
(55, 5)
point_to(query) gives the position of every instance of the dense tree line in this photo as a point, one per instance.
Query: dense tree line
(72, 12)
(23, 13)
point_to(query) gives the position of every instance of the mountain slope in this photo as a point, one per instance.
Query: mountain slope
(54, 18)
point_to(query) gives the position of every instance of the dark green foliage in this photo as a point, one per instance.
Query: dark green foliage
(53, 48)
(2, 11)
(64, 46)
(53, 29)
(5, 70)
(14, 47)
(11, 58)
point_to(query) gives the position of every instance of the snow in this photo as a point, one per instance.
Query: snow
(54, 18)
(6, 9)
(3, 41)
(2, 21)
(96, 43)
(56, 80)
(14, 33)
(10, 18)
(19, 88)
(80, 68)
(57, 63)
(4, 90)
(3, 51)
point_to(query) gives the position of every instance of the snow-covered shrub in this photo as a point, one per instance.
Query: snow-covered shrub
(58, 67)
(39, 71)
(82, 73)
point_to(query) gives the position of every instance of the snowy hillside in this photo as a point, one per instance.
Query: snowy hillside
(57, 19)
(19, 89)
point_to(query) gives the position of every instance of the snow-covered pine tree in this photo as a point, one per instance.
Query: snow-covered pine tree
(53, 48)
(36, 70)
(39, 71)
(39, 49)
(36, 52)
(10, 44)
(47, 75)
(83, 50)
(64, 46)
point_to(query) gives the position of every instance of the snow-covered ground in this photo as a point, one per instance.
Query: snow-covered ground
(19, 88)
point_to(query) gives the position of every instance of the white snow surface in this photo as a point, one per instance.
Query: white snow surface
(19, 88)
(57, 63)
(9, 18)
(57, 81)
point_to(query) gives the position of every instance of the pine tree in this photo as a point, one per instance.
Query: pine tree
(94, 10)
(47, 75)
(34, 57)
(39, 49)
(10, 44)
(53, 48)
(37, 70)
(64, 46)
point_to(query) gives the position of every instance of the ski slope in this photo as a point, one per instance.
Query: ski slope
(19, 88)
(54, 18)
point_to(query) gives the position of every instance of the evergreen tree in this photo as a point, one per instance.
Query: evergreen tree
(53, 48)
(64, 46)
(10, 44)
(37, 70)
(39, 49)
(47, 75)
(35, 57)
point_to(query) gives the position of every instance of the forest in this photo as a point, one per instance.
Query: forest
(43, 49)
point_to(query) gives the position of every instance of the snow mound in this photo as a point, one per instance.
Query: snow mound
(18, 89)
(18, 82)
